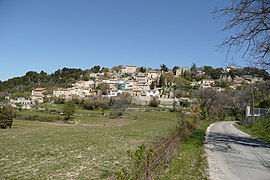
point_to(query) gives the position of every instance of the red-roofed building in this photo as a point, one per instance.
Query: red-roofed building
(40, 89)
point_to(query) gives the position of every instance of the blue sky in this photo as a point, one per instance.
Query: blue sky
(51, 34)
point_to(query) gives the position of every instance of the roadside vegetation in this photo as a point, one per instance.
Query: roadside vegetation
(178, 156)
(190, 161)
(260, 129)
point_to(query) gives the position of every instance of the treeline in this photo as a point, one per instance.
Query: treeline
(216, 73)
(252, 71)
(60, 78)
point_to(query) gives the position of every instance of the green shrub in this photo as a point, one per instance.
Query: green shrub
(92, 104)
(59, 100)
(105, 174)
(95, 103)
(68, 110)
(265, 103)
(184, 126)
(138, 164)
(154, 102)
(174, 108)
(120, 104)
(38, 118)
(6, 116)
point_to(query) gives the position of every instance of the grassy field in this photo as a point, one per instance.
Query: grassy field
(259, 129)
(191, 162)
(91, 149)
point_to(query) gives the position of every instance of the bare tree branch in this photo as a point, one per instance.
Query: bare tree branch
(251, 21)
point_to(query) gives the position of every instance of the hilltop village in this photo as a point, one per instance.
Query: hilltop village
(143, 84)
(92, 117)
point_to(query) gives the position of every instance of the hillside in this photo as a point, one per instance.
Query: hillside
(60, 78)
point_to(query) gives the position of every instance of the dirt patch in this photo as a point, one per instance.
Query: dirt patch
(112, 122)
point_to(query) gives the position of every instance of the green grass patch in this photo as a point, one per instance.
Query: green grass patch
(191, 162)
(260, 129)
(34, 150)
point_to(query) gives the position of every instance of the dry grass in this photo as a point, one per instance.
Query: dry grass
(91, 149)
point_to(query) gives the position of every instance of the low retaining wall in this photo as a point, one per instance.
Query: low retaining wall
(145, 101)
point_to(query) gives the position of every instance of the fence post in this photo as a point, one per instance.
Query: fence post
(147, 166)
(247, 111)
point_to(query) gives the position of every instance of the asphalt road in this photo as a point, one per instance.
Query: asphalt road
(234, 155)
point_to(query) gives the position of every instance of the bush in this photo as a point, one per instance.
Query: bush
(6, 117)
(77, 100)
(184, 126)
(154, 102)
(95, 103)
(174, 108)
(147, 163)
(68, 110)
(59, 100)
(120, 104)
(139, 161)
(39, 118)
(265, 103)
(91, 104)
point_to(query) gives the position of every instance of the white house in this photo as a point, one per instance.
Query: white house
(207, 83)
(153, 75)
(24, 103)
(128, 69)
(142, 77)
(111, 94)
(152, 93)
(228, 69)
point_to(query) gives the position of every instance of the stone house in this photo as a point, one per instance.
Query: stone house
(62, 93)
(207, 83)
(181, 71)
(128, 69)
(37, 95)
(153, 75)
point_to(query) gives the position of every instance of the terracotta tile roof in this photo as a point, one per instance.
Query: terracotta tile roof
(39, 89)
